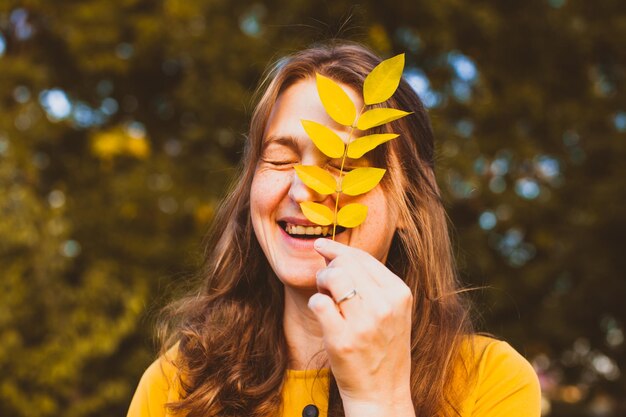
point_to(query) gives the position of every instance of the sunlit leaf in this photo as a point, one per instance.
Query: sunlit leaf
(317, 213)
(118, 141)
(324, 138)
(379, 116)
(138, 147)
(364, 144)
(351, 215)
(316, 178)
(361, 180)
(336, 102)
(383, 81)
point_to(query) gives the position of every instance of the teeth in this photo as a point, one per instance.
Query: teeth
(293, 229)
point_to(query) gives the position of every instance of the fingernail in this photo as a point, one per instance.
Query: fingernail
(312, 302)
(319, 243)
(318, 273)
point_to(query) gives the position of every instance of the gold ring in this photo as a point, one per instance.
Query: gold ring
(346, 297)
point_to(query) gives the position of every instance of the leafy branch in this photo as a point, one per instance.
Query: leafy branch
(380, 84)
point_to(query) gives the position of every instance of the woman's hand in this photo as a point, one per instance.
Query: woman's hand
(367, 336)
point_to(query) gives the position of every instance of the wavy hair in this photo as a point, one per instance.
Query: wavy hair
(232, 353)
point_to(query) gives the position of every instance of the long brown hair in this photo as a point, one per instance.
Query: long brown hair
(232, 353)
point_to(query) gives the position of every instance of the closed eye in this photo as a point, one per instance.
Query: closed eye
(279, 163)
(338, 167)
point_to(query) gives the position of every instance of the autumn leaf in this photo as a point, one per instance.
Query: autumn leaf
(379, 86)
(361, 180)
(119, 141)
(336, 102)
(317, 213)
(382, 82)
(379, 116)
(352, 215)
(317, 178)
(360, 146)
(326, 140)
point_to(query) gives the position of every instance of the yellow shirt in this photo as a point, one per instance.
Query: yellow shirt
(506, 386)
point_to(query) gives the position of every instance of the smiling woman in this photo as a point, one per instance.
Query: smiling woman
(372, 324)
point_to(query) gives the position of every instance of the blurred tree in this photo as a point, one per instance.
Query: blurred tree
(121, 124)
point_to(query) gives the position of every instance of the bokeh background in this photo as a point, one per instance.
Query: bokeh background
(121, 124)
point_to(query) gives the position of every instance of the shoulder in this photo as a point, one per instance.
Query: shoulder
(494, 356)
(158, 386)
(505, 383)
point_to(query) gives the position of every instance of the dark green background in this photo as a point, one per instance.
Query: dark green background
(105, 196)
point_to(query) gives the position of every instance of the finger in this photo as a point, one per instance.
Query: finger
(365, 270)
(330, 249)
(381, 289)
(340, 277)
(341, 284)
(372, 270)
(337, 253)
(337, 283)
(382, 274)
(327, 314)
(362, 311)
(378, 272)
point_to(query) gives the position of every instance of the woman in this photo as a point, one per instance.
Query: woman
(371, 324)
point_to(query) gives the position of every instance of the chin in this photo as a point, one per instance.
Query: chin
(301, 276)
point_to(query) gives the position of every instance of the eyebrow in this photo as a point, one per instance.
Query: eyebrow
(288, 141)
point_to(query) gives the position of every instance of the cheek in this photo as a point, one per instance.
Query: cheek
(377, 210)
(267, 190)
(374, 236)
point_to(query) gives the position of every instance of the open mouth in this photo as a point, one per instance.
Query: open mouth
(309, 232)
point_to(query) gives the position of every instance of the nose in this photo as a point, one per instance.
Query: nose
(299, 192)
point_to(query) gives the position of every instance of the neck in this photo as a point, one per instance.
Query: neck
(302, 332)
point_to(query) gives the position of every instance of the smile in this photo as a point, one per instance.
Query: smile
(309, 232)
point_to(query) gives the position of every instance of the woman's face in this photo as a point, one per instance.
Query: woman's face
(277, 191)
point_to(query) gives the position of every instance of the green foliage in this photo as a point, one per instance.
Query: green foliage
(103, 206)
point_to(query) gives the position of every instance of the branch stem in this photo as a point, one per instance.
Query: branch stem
(343, 161)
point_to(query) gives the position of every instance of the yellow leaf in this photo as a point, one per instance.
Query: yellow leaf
(336, 102)
(364, 144)
(106, 145)
(351, 215)
(324, 138)
(379, 116)
(138, 147)
(119, 141)
(361, 180)
(382, 82)
(317, 178)
(317, 213)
